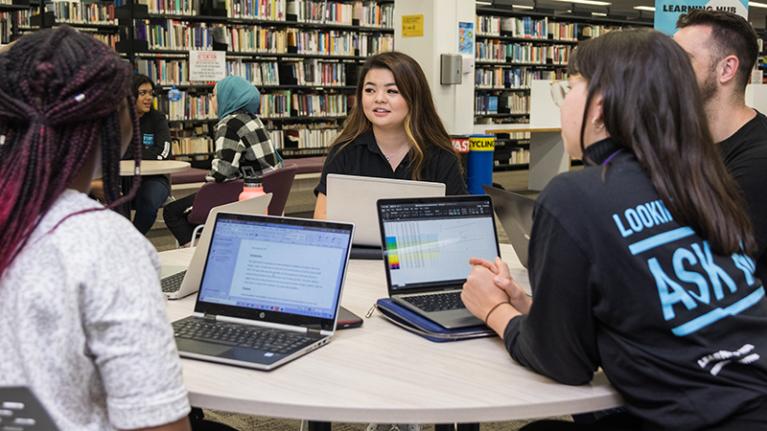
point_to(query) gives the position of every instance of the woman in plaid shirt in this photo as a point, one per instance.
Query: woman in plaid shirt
(243, 147)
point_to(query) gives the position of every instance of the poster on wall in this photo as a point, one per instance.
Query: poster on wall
(667, 12)
(466, 38)
(412, 25)
(207, 65)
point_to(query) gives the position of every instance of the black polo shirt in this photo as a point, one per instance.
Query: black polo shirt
(363, 157)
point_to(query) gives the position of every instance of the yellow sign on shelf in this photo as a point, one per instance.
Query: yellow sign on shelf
(412, 25)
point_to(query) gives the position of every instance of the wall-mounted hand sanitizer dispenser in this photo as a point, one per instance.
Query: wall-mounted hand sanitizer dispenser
(451, 69)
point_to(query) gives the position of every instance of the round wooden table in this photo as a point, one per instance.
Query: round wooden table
(380, 373)
(152, 167)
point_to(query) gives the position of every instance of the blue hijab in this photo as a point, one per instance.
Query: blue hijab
(234, 93)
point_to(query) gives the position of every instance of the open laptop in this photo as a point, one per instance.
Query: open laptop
(178, 281)
(270, 290)
(428, 243)
(515, 212)
(353, 199)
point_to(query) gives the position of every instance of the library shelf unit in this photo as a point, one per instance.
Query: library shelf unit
(302, 55)
(514, 47)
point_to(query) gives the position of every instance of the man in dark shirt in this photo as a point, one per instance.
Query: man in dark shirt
(155, 135)
(723, 49)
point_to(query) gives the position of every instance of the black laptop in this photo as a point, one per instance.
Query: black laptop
(270, 291)
(427, 244)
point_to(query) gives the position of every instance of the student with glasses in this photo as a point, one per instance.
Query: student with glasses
(639, 263)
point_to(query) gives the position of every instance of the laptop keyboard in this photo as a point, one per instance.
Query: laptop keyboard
(232, 334)
(172, 283)
(437, 302)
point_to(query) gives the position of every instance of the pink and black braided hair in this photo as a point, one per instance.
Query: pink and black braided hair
(60, 94)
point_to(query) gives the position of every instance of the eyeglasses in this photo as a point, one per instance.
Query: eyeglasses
(559, 90)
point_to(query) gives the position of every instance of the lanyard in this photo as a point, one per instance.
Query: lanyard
(611, 156)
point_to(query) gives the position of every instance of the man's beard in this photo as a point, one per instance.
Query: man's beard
(708, 87)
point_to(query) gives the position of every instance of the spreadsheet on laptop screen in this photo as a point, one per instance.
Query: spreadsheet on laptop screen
(273, 266)
(432, 242)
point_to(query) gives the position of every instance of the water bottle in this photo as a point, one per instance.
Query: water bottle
(253, 188)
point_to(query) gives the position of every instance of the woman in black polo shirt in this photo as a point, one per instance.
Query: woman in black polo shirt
(393, 130)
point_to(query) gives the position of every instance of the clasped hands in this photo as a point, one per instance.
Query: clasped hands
(491, 294)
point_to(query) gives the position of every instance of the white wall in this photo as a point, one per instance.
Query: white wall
(454, 103)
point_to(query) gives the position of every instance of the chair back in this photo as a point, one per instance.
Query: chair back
(212, 195)
(278, 183)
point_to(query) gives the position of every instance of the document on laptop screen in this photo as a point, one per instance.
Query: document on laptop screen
(272, 266)
(433, 243)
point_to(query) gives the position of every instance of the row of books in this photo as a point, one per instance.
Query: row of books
(519, 156)
(199, 144)
(271, 10)
(77, 12)
(321, 105)
(518, 77)
(181, 35)
(373, 14)
(188, 107)
(293, 137)
(312, 72)
(172, 7)
(513, 103)
(497, 51)
(321, 11)
(110, 39)
(275, 105)
(6, 26)
(538, 28)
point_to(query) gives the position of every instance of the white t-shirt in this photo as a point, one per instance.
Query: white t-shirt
(82, 323)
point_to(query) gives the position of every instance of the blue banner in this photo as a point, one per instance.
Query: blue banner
(667, 12)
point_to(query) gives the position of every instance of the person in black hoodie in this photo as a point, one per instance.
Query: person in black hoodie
(639, 263)
(155, 135)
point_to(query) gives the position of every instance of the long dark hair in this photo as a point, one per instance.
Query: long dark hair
(652, 106)
(423, 126)
(60, 94)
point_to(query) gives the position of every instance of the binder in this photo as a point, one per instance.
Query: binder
(419, 325)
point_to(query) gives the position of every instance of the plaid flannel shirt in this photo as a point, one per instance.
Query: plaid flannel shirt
(242, 144)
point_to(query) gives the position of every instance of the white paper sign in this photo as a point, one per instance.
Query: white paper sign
(207, 65)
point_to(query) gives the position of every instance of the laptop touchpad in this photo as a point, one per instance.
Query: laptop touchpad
(201, 347)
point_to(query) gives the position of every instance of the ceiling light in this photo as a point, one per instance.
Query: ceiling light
(589, 2)
(598, 14)
(648, 8)
(486, 3)
(522, 6)
(755, 4)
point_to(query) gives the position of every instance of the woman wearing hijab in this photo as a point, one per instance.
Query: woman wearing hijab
(243, 147)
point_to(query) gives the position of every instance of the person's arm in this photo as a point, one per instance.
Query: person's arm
(558, 336)
(128, 336)
(161, 147)
(228, 147)
(321, 207)
(334, 164)
(451, 175)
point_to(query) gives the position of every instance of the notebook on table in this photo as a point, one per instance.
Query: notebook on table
(181, 281)
(428, 244)
(270, 290)
(515, 212)
(353, 199)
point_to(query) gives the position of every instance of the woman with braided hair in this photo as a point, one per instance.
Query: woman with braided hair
(81, 309)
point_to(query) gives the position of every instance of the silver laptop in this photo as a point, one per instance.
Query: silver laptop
(428, 244)
(180, 281)
(353, 199)
(515, 212)
(270, 291)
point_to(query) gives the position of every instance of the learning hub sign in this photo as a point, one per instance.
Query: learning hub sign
(667, 12)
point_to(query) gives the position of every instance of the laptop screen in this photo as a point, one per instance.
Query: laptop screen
(428, 241)
(276, 266)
